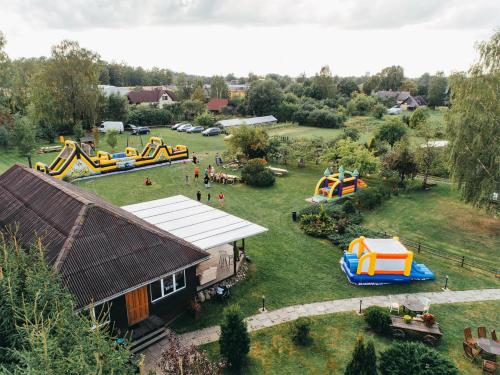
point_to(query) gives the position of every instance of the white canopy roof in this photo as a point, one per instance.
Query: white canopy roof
(247, 121)
(195, 222)
(385, 245)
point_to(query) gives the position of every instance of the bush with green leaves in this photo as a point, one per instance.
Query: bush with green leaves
(351, 232)
(112, 138)
(370, 198)
(378, 318)
(205, 119)
(301, 332)
(254, 173)
(234, 341)
(414, 358)
(5, 137)
(378, 111)
(317, 225)
(146, 116)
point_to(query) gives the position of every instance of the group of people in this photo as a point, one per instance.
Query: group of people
(220, 197)
(209, 175)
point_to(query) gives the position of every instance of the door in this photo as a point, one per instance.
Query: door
(137, 305)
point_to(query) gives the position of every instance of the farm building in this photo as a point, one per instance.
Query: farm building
(264, 120)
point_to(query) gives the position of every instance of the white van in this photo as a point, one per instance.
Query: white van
(111, 125)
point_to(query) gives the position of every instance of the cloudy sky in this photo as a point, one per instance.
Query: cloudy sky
(262, 36)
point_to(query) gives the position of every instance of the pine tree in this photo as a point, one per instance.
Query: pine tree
(234, 340)
(357, 366)
(370, 359)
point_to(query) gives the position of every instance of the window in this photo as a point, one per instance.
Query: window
(98, 314)
(168, 285)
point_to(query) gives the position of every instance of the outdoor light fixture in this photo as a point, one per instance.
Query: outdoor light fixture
(263, 303)
(360, 303)
(445, 283)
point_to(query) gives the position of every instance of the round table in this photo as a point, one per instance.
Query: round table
(489, 346)
(414, 304)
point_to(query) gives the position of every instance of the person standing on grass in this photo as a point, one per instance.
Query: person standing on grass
(206, 181)
(198, 196)
(196, 173)
(209, 199)
(187, 179)
(195, 159)
(221, 199)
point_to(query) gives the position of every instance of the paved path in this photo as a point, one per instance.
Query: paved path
(286, 314)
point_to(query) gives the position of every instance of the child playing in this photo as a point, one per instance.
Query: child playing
(198, 196)
(196, 173)
(209, 199)
(148, 181)
(221, 199)
(206, 180)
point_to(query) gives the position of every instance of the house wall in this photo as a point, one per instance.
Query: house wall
(166, 308)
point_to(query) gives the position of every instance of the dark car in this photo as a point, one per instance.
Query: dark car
(211, 131)
(195, 129)
(141, 130)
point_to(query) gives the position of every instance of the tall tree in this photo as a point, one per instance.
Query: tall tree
(409, 85)
(391, 78)
(264, 97)
(234, 341)
(436, 94)
(427, 152)
(347, 86)
(218, 88)
(322, 84)
(423, 84)
(116, 108)
(65, 90)
(391, 131)
(473, 126)
(400, 161)
(356, 365)
(372, 84)
(25, 137)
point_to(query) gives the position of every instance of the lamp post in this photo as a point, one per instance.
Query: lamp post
(360, 304)
(263, 303)
(445, 283)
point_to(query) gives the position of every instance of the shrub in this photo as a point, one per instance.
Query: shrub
(364, 359)
(414, 358)
(378, 319)
(205, 119)
(4, 137)
(301, 332)
(112, 138)
(255, 174)
(234, 341)
(371, 197)
(317, 225)
(378, 111)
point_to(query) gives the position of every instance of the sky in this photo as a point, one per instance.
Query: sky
(208, 37)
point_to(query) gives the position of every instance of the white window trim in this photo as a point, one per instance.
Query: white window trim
(175, 290)
(95, 317)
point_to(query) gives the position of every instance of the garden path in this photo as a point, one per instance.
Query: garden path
(270, 318)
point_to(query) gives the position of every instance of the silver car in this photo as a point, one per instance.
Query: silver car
(195, 129)
(184, 127)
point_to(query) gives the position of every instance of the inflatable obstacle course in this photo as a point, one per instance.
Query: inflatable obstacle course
(75, 163)
(334, 186)
(372, 261)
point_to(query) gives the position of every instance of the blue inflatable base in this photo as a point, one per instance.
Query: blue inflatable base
(418, 272)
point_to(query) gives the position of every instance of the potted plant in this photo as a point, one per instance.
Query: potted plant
(429, 319)
(407, 319)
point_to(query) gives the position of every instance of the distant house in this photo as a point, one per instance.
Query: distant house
(264, 120)
(156, 96)
(217, 105)
(237, 90)
(403, 99)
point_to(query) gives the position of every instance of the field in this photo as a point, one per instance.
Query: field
(272, 351)
(287, 266)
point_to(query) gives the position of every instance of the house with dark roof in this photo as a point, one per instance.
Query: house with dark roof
(152, 96)
(404, 99)
(107, 257)
(216, 105)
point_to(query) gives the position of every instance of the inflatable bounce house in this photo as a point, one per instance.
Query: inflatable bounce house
(372, 261)
(334, 186)
(74, 162)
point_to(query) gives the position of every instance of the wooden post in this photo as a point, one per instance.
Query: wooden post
(235, 256)
(463, 261)
(418, 248)
(243, 244)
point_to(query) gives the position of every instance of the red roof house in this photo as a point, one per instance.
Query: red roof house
(216, 105)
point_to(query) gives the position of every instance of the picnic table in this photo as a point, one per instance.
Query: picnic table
(278, 171)
(489, 346)
(46, 149)
(231, 179)
(414, 304)
(430, 335)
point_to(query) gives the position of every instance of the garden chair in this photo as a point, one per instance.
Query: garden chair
(393, 305)
(468, 336)
(470, 352)
(489, 367)
(427, 303)
(494, 335)
(481, 332)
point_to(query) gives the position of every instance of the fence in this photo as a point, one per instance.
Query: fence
(463, 261)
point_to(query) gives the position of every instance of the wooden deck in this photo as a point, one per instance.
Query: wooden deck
(225, 268)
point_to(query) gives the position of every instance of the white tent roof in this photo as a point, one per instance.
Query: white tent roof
(385, 245)
(195, 222)
(247, 121)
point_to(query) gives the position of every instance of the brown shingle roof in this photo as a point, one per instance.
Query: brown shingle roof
(217, 104)
(99, 249)
(148, 96)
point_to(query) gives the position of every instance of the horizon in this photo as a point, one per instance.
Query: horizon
(218, 38)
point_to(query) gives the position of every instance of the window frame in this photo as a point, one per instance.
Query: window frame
(94, 317)
(175, 289)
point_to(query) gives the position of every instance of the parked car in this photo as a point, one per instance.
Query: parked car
(195, 129)
(184, 127)
(211, 131)
(111, 125)
(141, 130)
(394, 111)
(174, 127)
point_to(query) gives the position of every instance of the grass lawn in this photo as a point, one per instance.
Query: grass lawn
(289, 267)
(273, 352)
